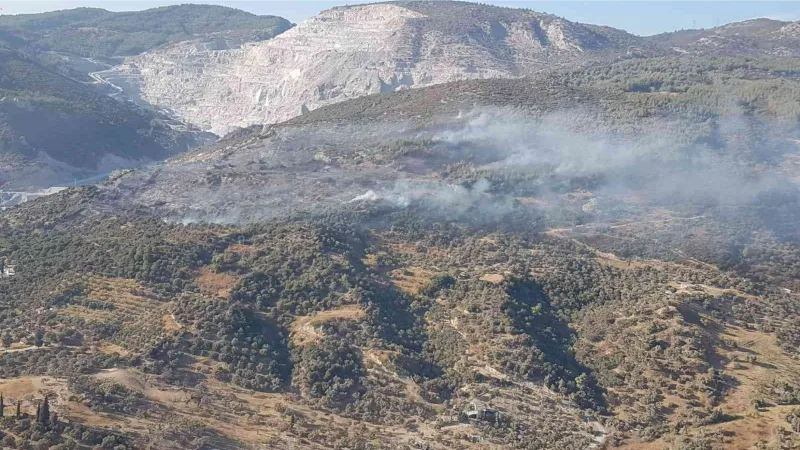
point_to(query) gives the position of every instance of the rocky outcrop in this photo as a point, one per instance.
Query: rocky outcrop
(348, 52)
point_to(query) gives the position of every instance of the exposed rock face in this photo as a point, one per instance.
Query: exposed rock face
(348, 52)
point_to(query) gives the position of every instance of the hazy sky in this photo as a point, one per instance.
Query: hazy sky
(642, 18)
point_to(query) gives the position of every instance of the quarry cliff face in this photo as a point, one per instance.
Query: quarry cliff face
(348, 52)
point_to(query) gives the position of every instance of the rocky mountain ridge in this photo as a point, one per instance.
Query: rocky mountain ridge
(347, 52)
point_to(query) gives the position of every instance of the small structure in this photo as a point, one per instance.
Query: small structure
(480, 411)
(8, 271)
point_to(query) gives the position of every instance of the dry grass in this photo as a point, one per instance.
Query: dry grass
(126, 295)
(639, 445)
(128, 378)
(218, 285)
(87, 314)
(20, 387)
(30, 390)
(692, 288)
(129, 299)
(495, 278)
(410, 279)
(304, 328)
(753, 381)
(613, 260)
(110, 349)
(405, 248)
(370, 260)
(251, 418)
(170, 324)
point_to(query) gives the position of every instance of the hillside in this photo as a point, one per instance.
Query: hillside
(55, 130)
(751, 37)
(347, 52)
(57, 127)
(97, 33)
(600, 258)
(477, 228)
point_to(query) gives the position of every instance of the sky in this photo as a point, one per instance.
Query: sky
(642, 18)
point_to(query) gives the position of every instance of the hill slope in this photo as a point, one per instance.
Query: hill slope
(93, 32)
(54, 130)
(346, 52)
(750, 37)
(567, 262)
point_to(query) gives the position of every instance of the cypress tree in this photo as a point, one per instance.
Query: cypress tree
(44, 419)
(38, 411)
(38, 338)
(2, 406)
(7, 339)
(19, 409)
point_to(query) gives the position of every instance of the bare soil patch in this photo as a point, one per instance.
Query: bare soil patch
(218, 285)
(411, 279)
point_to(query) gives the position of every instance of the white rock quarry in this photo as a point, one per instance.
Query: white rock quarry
(347, 52)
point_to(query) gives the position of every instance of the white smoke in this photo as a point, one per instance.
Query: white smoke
(322, 167)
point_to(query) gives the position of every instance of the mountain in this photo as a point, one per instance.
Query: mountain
(346, 52)
(351, 51)
(56, 130)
